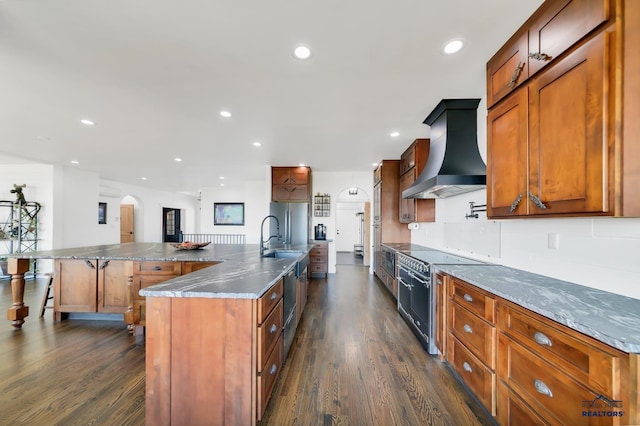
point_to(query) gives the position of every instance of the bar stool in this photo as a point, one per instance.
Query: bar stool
(48, 295)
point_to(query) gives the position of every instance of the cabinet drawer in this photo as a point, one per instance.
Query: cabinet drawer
(585, 363)
(268, 333)
(507, 69)
(318, 259)
(267, 378)
(319, 250)
(480, 379)
(512, 411)
(473, 299)
(318, 267)
(269, 300)
(157, 268)
(143, 281)
(552, 394)
(476, 334)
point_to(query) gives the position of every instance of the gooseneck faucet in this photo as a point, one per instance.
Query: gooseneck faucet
(262, 241)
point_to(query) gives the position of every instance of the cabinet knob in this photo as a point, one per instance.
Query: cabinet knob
(467, 367)
(274, 295)
(273, 369)
(157, 268)
(541, 339)
(542, 388)
(273, 329)
(467, 328)
(468, 298)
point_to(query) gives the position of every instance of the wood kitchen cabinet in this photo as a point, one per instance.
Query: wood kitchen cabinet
(528, 369)
(412, 162)
(386, 224)
(291, 184)
(319, 258)
(212, 360)
(90, 286)
(554, 138)
(147, 273)
(472, 339)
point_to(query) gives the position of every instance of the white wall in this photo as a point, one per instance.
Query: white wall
(600, 253)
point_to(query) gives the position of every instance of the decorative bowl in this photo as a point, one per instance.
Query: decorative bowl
(188, 245)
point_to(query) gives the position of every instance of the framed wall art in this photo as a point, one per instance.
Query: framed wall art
(228, 213)
(102, 213)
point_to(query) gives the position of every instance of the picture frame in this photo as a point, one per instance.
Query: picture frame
(102, 213)
(231, 214)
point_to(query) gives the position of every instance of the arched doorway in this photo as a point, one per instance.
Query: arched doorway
(352, 239)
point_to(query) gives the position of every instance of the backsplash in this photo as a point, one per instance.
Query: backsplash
(599, 252)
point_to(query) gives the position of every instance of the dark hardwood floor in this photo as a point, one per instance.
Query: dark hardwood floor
(354, 361)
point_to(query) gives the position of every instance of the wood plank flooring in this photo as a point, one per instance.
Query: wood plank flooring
(353, 362)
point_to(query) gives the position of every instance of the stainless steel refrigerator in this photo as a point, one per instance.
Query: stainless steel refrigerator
(294, 223)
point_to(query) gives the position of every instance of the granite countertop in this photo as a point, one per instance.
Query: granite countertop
(608, 317)
(241, 273)
(405, 246)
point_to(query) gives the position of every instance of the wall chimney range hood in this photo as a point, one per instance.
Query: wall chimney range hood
(454, 165)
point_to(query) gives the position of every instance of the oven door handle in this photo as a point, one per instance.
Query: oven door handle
(409, 286)
(415, 277)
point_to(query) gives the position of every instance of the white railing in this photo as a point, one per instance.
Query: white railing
(215, 238)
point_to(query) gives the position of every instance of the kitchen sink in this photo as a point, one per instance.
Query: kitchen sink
(301, 264)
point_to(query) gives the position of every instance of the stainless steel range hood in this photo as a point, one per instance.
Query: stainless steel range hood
(454, 165)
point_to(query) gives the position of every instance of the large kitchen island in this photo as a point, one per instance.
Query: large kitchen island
(214, 320)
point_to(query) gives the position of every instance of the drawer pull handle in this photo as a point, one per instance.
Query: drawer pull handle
(468, 298)
(273, 369)
(542, 339)
(273, 328)
(157, 268)
(89, 264)
(537, 201)
(542, 388)
(274, 295)
(467, 367)
(467, 328)
(516, 74)
(515, 203)
(539, 56)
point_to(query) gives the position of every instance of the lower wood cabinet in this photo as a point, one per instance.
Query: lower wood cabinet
(147, 273)
(319, 258)
(212, 361)
(90, 286)
(528, 369)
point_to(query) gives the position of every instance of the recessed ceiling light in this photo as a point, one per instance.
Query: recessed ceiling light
(301, 165)
(394, 134)
(257, 144)
(221, 177)
(74, 162)
(374, 164)
(143, 178)
(222, 184)
(302, 51)
(225, 114)
(43, 138)
(87, 122)
(452, 46)
(178, 159)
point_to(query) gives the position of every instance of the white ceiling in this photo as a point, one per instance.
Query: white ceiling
(154, 75)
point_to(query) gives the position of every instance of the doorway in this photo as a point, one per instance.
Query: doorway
(171, 225)
(352, 233)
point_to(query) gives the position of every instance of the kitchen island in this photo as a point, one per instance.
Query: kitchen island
(214, 337)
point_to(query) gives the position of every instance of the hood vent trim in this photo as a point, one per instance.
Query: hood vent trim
(454, 165)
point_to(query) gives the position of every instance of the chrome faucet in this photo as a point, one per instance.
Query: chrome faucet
(262, 241)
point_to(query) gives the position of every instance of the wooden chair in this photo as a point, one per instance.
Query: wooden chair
(48, 295)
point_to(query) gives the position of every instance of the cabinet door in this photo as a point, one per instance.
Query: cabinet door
(507, 145)
(75, 287)
(563, 24)
(568, 157)
(407, 205)
(113, 276)
(376, 202)
(507, 69)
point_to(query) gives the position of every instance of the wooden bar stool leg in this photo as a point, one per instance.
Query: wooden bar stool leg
(47, 295)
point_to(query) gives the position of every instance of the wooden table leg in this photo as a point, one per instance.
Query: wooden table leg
(18, 310)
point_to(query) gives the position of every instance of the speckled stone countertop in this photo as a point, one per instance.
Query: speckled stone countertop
(405, 246)
(242, 273)
(608, 317)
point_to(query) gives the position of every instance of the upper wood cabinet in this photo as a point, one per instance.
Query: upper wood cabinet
(554, 28)
(290, 184)
(555, 144)
(412, 163)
